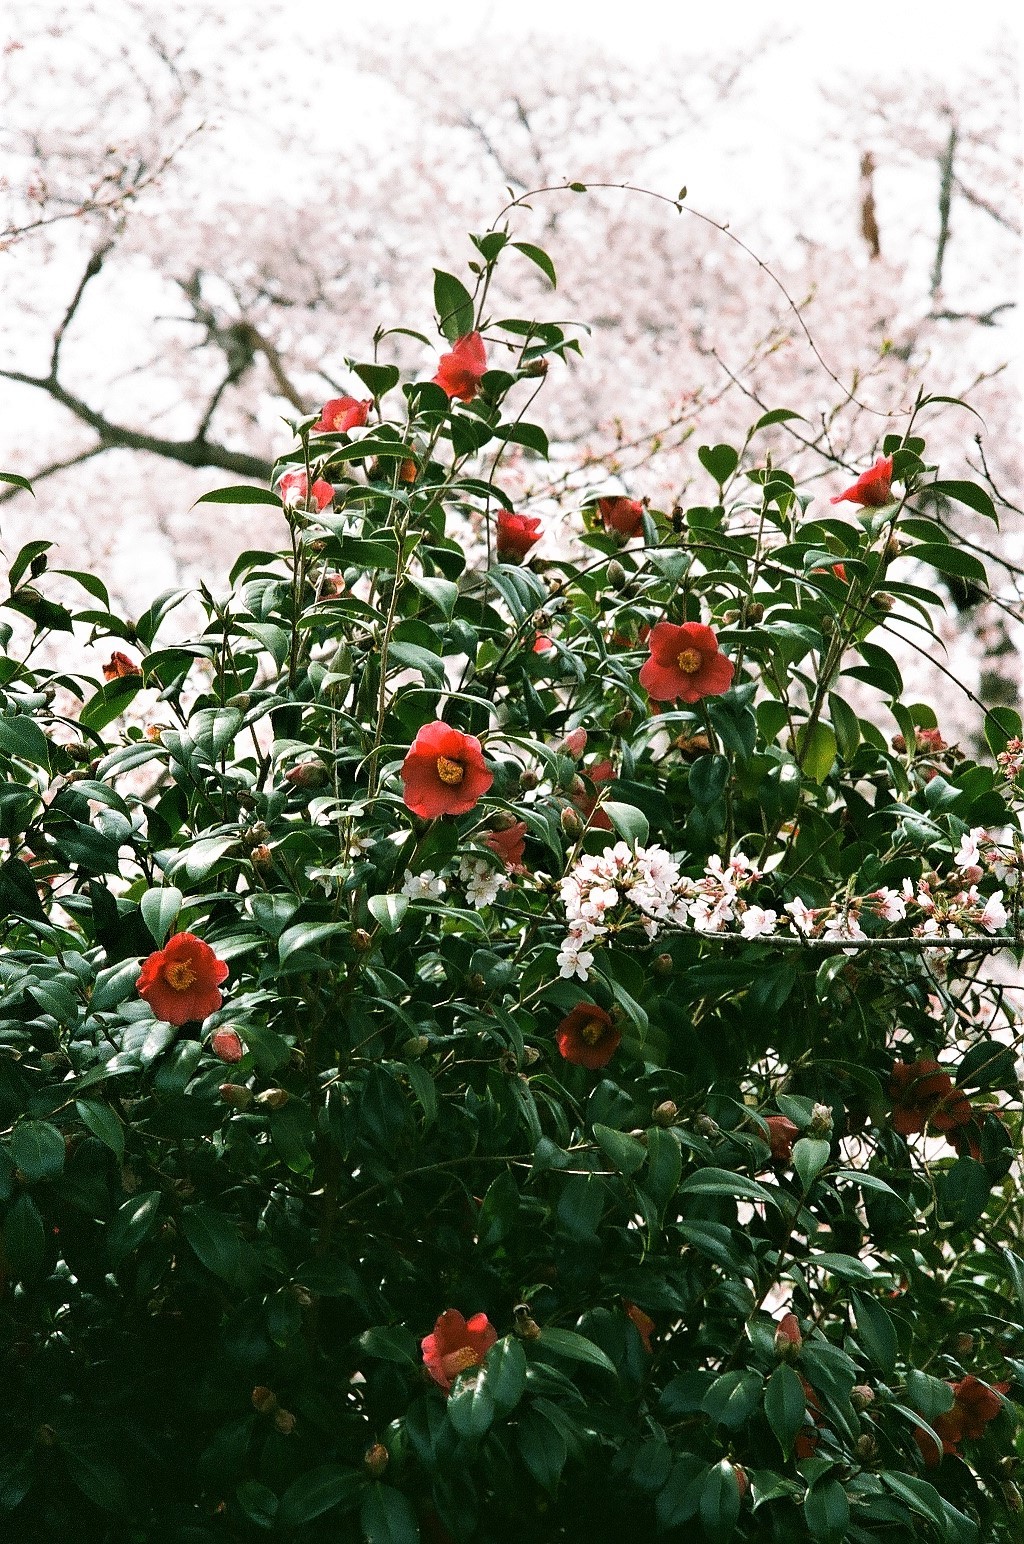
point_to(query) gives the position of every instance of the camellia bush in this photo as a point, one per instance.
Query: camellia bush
(511, 1049)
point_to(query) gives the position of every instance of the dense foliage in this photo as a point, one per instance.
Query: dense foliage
(511, 1048)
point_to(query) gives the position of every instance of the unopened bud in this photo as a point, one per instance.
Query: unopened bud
(284, 1421)
(788, 1339)
(236, 1095)
(376, 1460)
(504, 820)
(663, 965)
(531, 1055)
(820, 1124)
(525, 1327)
(227, 1045)
(692, 746)
(308, 774)
(742, 1483)
(528, 778)
(884, 602)
(477, 984)
(571, 822)
(729, 617)
(621, 720)
(665, 1113)
(754, 613)
(302, 1295)
(535, 367)
(576, 788)
(893, 548)
(706, 1127)
(574, 744)
(264, 1400)
(360, 940)
(616, 574)
(415, 1046)
(273, 1098)
(963, 1345)
(256, 836)
(861, 1396)
(866, 1448)
(261, 857)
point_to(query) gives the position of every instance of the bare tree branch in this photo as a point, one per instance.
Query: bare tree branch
(945, 203)
(195, 452)
(55, 466)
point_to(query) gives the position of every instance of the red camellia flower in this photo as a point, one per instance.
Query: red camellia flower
(686, 664)
(293, 489)
(542, 643)
(227, 1045)
(444, 772)
(587, 1036)
(456, 1345)
(180, 981)
(341, 414)
(923, 1095)
(974, 1405)
(119, 667)
(782, 1133)
(623, 516)
(509, 845)
(459, 373)
(645, 1325)
(873, 488)
(515, 535)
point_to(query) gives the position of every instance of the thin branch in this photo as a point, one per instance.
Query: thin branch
(945, 202)
(92, 268)
(55, 466)
(195, 452)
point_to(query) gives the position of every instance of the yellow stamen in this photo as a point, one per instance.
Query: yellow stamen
(689, 661)
(179, 975)
(458, 1361)
(592, 1031)
(450, 772)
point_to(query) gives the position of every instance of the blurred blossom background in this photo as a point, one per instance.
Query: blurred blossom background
(204, 213)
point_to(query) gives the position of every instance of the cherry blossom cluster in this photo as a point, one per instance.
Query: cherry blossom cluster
(602, 894)
(1011, 760)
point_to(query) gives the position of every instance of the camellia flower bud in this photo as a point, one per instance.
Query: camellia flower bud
(621, 720)
(861, 1396)
(227, 1044)
(273, 1098)
(360, 940)
(256, 836)
(264, 1400)
(307, 774)
(706, 1127)
(284, 1421)
(261, 857)
(663, 965)
(754, 613)
(571, 823)
(616, 574)
(528, 778)
(530, 1055)
(820, 1122)
(503, 820)
(376, 1460)
(742, 1483)
(893, 548)
(415, 1046)
(788, 1339)
(866, 1448)
(236, 1095)
(665, 1113)
(574, 744)
(535, 367)
(301, 1294)
(963, 1345)
(525, 1327)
